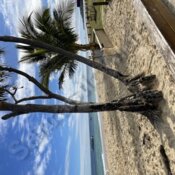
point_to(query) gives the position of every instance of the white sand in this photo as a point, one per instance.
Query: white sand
(132, 144)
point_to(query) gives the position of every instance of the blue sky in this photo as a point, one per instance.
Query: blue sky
(42, 144)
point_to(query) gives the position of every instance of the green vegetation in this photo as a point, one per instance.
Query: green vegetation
(52, 27)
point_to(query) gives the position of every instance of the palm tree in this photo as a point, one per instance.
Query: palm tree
(133, 83)
(145, 102)
(48, 41)
(44, 39)
(56, 29)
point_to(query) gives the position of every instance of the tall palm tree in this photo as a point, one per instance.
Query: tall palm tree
(56, 29)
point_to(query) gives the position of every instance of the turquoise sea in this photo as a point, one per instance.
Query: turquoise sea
(96, 151)
(87, 92)
(96, 146)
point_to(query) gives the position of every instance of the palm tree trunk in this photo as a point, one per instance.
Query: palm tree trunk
(114, 73)
(145, 101)
(112, 106)
(31, 108)
(85, 47)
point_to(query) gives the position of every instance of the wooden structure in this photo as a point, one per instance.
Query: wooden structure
(163, 18)
(101, 38)
(159, 20)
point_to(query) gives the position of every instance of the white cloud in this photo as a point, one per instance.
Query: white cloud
(39, 168)
(2, 59)
(42, 156)
(28, 173)
(3, 127)
(43, 144)
(13, 11)
(53, 3)
(85, 162)
(67, 159)
(77, 126)
(71, 122)
(28, 87)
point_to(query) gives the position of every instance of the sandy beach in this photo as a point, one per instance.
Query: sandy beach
(132, 145)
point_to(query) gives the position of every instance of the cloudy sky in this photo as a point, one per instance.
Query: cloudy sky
(42, 144)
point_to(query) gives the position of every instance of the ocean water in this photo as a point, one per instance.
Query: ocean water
(96, 151)
(97, 167)
(96, 147)
(87, 92)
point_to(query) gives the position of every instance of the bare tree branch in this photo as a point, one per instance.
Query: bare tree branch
(32, 98)
(39, 85)
(13, 114)
(11, 94)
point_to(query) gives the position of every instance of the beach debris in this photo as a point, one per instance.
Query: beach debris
(165, 159)
(147, 140)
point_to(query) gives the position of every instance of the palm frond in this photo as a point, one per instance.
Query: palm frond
(61, 77)
(57, 30)
(71, 68)
(37, 55)
(62, 19)
(57, 63)
(48, 67)
(28, 29)
(45, 79)
(65, 11)
(43, 20)
(25, 48)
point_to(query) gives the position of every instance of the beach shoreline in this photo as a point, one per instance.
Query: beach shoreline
(104, 153)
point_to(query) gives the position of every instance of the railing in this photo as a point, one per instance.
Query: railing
(164, 19)
(102, 39)
(159, 23)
